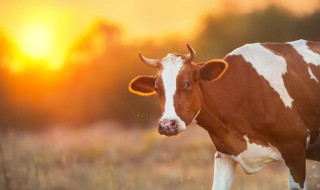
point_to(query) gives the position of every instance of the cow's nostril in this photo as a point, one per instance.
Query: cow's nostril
(163, 124)
(173, 123)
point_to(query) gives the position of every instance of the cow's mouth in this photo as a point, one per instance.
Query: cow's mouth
(168, 131)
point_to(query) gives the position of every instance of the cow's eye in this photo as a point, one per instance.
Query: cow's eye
(187, 85)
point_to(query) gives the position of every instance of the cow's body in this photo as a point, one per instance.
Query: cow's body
(269, 101)
(265, 108)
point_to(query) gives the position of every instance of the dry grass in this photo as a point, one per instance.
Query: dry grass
(105, 156)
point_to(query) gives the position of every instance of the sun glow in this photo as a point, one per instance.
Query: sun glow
(36, 41)
(39, 45)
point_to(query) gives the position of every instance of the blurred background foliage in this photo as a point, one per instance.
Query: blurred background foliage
(92, 85)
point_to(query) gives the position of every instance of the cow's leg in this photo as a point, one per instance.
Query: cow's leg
(313, 151)
(295, 161)
(294, 184)
(224, 168)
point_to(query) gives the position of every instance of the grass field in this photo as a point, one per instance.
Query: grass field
(105, 156)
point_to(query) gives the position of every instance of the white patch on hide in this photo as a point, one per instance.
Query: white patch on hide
(269, 65)
(308, 56)
(312, 75)
(256, 157)
(302, 48)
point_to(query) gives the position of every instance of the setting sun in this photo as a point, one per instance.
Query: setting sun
(36, 41)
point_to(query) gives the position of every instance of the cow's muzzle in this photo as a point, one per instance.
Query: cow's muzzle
(168, 127)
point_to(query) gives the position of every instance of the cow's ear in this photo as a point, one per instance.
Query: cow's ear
(212, 70)
(142, 85)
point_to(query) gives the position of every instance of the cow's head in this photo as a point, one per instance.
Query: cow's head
(177, 86)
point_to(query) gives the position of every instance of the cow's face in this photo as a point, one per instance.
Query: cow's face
(177, 86)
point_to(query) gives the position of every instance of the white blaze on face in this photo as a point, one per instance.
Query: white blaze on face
(171, 66)
(269, 65)
(308, 56)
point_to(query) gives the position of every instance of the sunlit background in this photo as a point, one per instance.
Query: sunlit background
(64, 70)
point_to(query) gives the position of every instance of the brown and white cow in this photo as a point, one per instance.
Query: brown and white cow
(260, 104)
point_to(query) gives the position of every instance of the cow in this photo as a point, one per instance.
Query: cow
(260, 104)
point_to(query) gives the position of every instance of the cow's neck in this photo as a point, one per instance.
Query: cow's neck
(225, 139)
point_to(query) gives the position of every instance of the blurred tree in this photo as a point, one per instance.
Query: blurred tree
(102, 66)
(5, 54)
(221, 35)
(93, 84)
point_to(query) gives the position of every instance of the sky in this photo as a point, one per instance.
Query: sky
(138, 18)
(54, 25)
